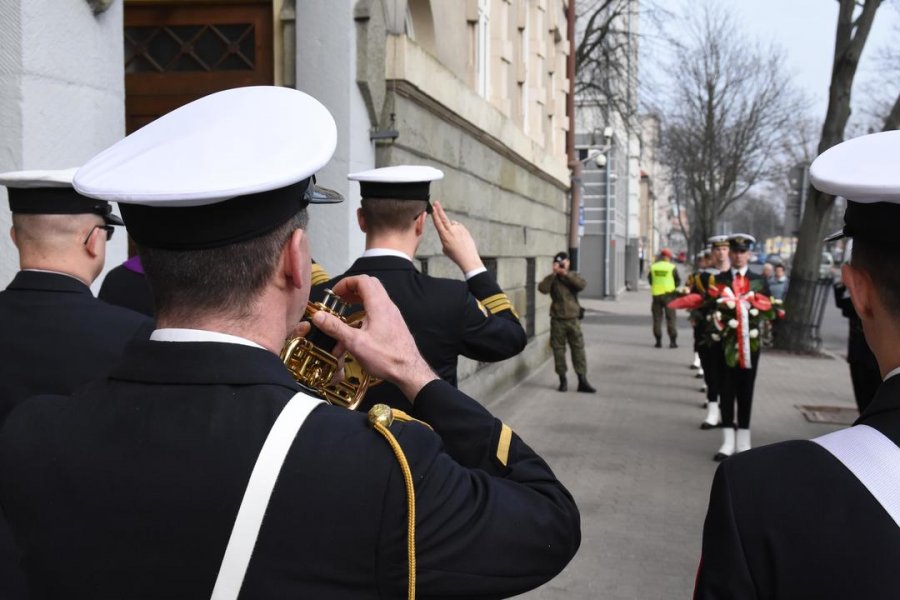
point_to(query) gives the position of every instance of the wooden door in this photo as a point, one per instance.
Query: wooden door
(176, 52)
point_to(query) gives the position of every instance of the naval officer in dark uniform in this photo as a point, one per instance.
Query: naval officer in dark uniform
(737, 383)
(184, 475)
(56, 335)
(448, 318)
(820, 519)
(126, 285)
(712, 356)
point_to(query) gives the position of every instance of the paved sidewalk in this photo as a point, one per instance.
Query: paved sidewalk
(633, 454)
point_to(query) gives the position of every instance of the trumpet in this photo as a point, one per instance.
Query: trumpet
(310, 361)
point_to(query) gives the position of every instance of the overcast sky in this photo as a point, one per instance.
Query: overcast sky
(805, 30)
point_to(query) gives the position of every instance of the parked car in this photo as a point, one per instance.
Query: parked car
(826, 265)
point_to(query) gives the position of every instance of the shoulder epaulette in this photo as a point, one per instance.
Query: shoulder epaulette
(319, 275)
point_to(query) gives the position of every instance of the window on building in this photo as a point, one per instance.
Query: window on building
(483, 48)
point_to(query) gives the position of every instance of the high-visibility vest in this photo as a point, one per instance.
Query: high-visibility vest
(662, 278)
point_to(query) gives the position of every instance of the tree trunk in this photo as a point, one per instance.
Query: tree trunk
(892, 121)
(800, 332)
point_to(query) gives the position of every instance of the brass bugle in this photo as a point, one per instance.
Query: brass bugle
(310, 361)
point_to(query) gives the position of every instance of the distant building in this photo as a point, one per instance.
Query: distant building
(610, 244)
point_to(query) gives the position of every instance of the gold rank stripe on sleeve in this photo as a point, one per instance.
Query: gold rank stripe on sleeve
(503, 444)
(498, 303)
(319, 275)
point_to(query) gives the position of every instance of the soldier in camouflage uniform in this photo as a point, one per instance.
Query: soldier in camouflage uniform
(563, 286)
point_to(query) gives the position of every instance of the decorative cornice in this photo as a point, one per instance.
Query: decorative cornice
(407, 90)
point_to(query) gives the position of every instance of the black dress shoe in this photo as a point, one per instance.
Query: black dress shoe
(705, 425)
(719, 457)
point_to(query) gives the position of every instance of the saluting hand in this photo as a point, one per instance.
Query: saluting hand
(456, 241)
(383, 344)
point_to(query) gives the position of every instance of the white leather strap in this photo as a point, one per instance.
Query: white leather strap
(256, 496)
(873, 459)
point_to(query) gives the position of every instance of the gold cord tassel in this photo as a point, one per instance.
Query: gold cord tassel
(381, 416)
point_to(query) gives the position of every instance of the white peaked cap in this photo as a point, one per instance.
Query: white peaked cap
(399, 174)
(232, 143)
(864, 169)
(402, 182)
(59, 178)
(50, 192)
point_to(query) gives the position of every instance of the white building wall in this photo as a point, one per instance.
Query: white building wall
(61, 95)
(326, 69)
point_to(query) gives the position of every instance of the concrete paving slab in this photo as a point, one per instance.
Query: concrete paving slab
(633, 454)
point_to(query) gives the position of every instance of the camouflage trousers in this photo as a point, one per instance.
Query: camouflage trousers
(562, 331)
(657, 309)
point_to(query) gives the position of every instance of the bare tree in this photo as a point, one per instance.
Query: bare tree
(727, 114)
(880, 110)
(602, 55)
(606, 54)
(855, 18)
(890, 67)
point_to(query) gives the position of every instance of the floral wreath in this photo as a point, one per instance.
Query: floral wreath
(733, 318)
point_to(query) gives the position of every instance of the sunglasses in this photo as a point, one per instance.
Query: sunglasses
(109, 229)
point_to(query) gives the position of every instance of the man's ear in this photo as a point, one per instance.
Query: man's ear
(96, 239)
(361, 220)
(12, 235)
(862, 289)
(295, 258)
(420, 223)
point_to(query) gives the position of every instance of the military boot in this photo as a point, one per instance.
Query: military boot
(658, 343)
(563, 384)
(584, 386)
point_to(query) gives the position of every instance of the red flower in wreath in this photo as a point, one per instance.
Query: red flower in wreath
(689, 301)
(761, 302)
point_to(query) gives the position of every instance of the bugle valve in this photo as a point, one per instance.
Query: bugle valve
(310, 361)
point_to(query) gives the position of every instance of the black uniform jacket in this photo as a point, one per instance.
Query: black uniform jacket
(129, 489)
(124, 287)
(57, 336)
(444, 317)
(790, 521)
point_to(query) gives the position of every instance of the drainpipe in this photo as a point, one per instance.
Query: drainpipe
(608, 215)
(574, 163)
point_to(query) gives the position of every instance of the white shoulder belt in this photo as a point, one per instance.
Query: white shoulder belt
(256, 496)
(873, 459)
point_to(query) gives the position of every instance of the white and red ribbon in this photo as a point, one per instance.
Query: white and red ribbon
(742, 315)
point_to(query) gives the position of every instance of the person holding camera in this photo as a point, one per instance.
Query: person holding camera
(566, 313)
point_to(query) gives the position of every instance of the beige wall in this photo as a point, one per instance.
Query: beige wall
(499, 139)
(525, 48)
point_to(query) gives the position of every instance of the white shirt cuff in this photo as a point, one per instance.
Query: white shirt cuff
(474, 272)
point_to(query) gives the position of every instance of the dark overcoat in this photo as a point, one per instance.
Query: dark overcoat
(447, 317)
(130, 488)
(790, 521)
